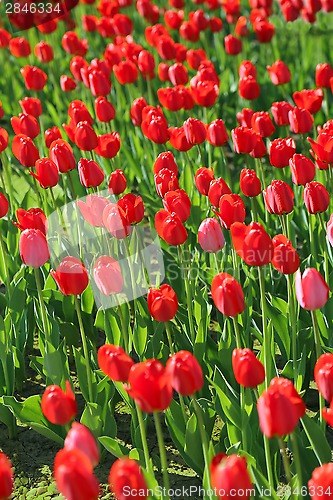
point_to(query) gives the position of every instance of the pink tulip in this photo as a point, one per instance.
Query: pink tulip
(107, 275)
(80, 437)
(34, 249)
(210, 235)
(311, 289)
(329, 230)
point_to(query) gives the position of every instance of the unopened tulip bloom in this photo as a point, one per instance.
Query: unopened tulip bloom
(303, 170)
(117, 182)
(244, 139)
(61, 154)
(34, 218)
(323, 148)
(71, 276)
(178, 202)
(217, 134)
(149, 385)
(262, 124)
(281, 150)
(6, 477)
(324, 72)
(316, 197)
(59, 406)
(210, 235)
(229, 475)
(195, 131)
(311, 100)
(232, 209)
(320, 486)
(108, 145)
(329, 230)
(252, 243)
(280, 111)
(185, 373)
(126, 475)
(311, 289)
(227, 295)
(34, 249)
(4, 205)
(166, 160)
(80, 438)
(92, 209)
(74, 477)
(279, 73)
(90, 173)
(162, 303)
(170, 228)
(300, 120)
(249, 88)
(47, 173)
(279, 198)
(34, 78)
(249, 183)
(285, 258)
(107, 275)
(248, 370)
(279, 408)
(202, 179)
(24, 150)
(26, 125)
(114, 362)
(323, 375)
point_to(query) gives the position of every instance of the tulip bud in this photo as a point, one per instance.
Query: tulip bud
(316, 197)
(248, 370)
(125, 474)
(311, 289)
(210, 236)
(117, 182)
(71, 276)
(59, 406)
(34, 249)
(162, 303)
(107, 275)
(249, 184)
(229, 474)
(227, 295)
(185, 373)
(6, 477)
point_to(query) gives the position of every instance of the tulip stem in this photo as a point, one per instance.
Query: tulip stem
(297, 461)
(318, 353)
(293, 326)
(254, 209)
(5, 265)
(326, 268)
(312, 243)
(161, 447)
(8, 182)
(203, 434)
(85, 348)
(187, 293)
(144, 440)
(42, 305)
(124, 329)
(285, 460)
(169, 335)
(236, 328)
(265, 331)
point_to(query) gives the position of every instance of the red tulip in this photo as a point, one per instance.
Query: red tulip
(80, 438)
(114, 362)
(132, 207)
(248, 370)
(279, 198)
(189, 31)
(24, 150)
(203, 177)
(249, 88)
(61, 154)
(170, 98)
(252, 243)
(58, 406)
(3, 139)
(247, 68)
(107, 275)
(195, 131)
(34, 218)
(162, 303)
(34, 78)
(233, 45)
(5, 38)
(210, 235)
(280, 111)
(262, 124)
(44, 52)
(46, 173)
(108, 145)
(150, 386)
(91, 174)
(165, 160)
(170, 228)
(320, 485)
(115, 221)
(228, 295)
(281, 150)
(217, 188)
(249, 184)
(323, 375)
(67, 84)
(323, 148)
(324, 72)
(244, 117)
(19, 47)
(178, 202)
(165, 180)
(285, 258)
(125, 476)
(105, 111)
(25, 125)
(279, 408)
(311, 100)
(279, 73)
(99, 83)
(51, 135)
(311, 289)
(117, 182)
(31, 106)
(178, 74)
(302, 169)
(264, 30)
(6, 477)
(4, 205)
(185, 373)
(74, 476)
(163, 72)
(71, 276)
(217, 134)
(232, 209)
(205, 93)
(244, 139)
(301, 120)
(316, 197)
(85, 137)
(229, 475)
(92, 209)
(78, 112)
(126, 72)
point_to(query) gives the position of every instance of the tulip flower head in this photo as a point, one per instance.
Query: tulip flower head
(311, 289)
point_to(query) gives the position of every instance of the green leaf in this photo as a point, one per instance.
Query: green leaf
(91, 418)
(317, 440)
(114, 446)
